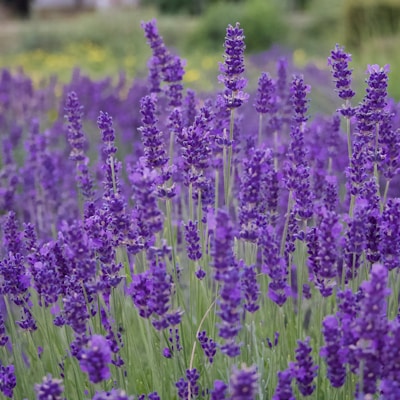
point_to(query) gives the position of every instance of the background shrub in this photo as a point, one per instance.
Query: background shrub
(364, 19)
(262, 22)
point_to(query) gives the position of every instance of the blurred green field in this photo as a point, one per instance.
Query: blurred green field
(104, 43)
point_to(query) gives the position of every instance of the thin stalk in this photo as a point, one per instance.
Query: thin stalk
(216, 198)
(228, 165)
(260, 122)
(275, 150)
(385, 193)
(349, 144)
(285, 228)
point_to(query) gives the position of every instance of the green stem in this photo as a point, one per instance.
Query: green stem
(385, 193)
(228, 166)
(349, 145)
(285, 228)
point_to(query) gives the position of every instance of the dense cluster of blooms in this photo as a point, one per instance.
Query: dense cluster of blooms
(154, 239)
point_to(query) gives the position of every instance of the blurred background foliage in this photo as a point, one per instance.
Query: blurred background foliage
(106, 41)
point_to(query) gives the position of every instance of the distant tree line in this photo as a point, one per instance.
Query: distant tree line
(20, 7)
(186, 6)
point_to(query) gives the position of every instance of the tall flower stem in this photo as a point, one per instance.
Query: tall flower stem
(260, 122)
(228, 166)
(286, 226)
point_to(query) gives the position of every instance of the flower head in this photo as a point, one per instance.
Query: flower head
(49, 389)
(233, 67)
(243, 383)
(95, 359)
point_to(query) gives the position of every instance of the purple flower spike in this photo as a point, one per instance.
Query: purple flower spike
(8, 380)
(258, 193)
(76, 138)
(96, 358)
(219, 390)
(390, 384)
(389, 244)
(305, 370)
(173, 75)
(208, 345)
(105, 124)
(49, 389)
(265, 100)
(222, 249)
(114, 394)
(161, 56)
(193, 376)
(284, 389)
(341, 73)
(243, 383)
(372, 326)
(299, 91)
(336, 371)
(250, 288)
(230, 312)
(152, 137)
(233, 67)
(193, 241)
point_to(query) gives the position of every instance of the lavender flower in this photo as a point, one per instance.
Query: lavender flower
(219, 390)
(8, 380)
(372, 327)
(189, 108)
(105, 124)
(114, 394)
(299, 91)
(233, 67)
(304, 369)
(284, 389)
(230, 312)
(339, 61)
(389, 244)
(149, 219)
(159, 301)
(49, 389)
(389, 144)
(297, 169)
(141, 289)
(323, 249)
(250, 288)
(75, 312)
(355, 240)
(265, 100)
(243, 383)
(161, 56)
(257, 193)
(193, 376)
(152, 138)
(95, 359)
(332, 353)
(173, 74)
(390, 359)
(348, 306)
(274, 266)
(11, 237)
(208, 345)
(183, 390)
(76, 138)
(193, 241)
(196, 153)
(222, 249)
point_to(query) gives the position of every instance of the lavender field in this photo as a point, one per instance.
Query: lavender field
(165, 243)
